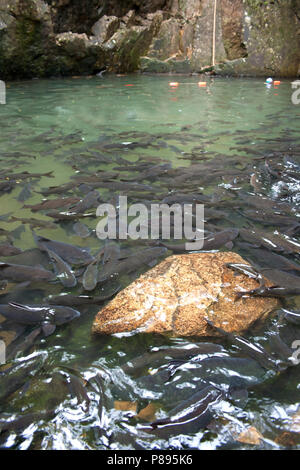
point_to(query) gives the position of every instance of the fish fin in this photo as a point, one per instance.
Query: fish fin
(48, 328)
(20, 306)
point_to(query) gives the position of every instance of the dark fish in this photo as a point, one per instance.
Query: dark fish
(270, 218)
(26, 175)
(220, 239)
(88, 202)
(53, 204)
(255, 351)
(271, 241)
(77, 388)
(122, 186)
(24, 345)
(272, 260)
(62, 270)
(69, 253)
(190, 416)
(46, 316)
(19, 273)
(6, 249)
(31, 257)
(273, 291)
(180, 353)
(247, 270)
(20, 423)
(34, 222)
(68, 215)
(111, 252)
(131, 263)
(70, 300)
(292, 317)
(280, 347)
(281, 278)
(25, 193)
(7, 186)
(90, 277)
(81, 230)
(59, 189)
(152, 173)
(18, 375)
(264, 203)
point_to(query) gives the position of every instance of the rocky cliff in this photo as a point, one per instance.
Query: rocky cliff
(63, 37)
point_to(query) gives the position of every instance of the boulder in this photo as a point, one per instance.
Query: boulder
(105, 27)
(179, 293)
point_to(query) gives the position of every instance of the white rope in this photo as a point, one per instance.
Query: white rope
(214, 34)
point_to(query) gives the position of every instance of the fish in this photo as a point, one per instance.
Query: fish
(63, 188)
(7, 186)
(20, 423)
(27, 174)
(76, 388)
(69, 253)
(291, 316)
(271, 241)
(219, 239)
(52, 204)
(25, 193)
(111, 252)
(273, 291)
(255, 351)
(191, 415)
(274, 260)
(247, 270)
(90, 277)
(270, 218)
(70, 300)
(152, 173)
(7, 249)
(22, 346)
(16, 376)
(46, 316)
(131, 263)
(92, 199)
(68, 215)
(280, 347)
(185, 354)
(281, 278)
(34, 222)
(81, 230)
(19, 273)
(62, 270)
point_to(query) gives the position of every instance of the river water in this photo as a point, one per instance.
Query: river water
(80, 392)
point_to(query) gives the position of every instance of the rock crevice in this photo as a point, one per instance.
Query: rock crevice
(39, 38)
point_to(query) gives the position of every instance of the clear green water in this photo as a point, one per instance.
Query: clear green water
(55, 124)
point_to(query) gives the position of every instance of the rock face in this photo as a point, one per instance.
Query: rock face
(178, 294)
(38, 38)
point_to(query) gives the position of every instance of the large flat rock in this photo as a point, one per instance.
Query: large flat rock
(179, 293)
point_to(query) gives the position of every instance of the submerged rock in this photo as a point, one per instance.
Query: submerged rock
(179, 293)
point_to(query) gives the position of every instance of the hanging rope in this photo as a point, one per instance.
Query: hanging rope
(214, 34)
